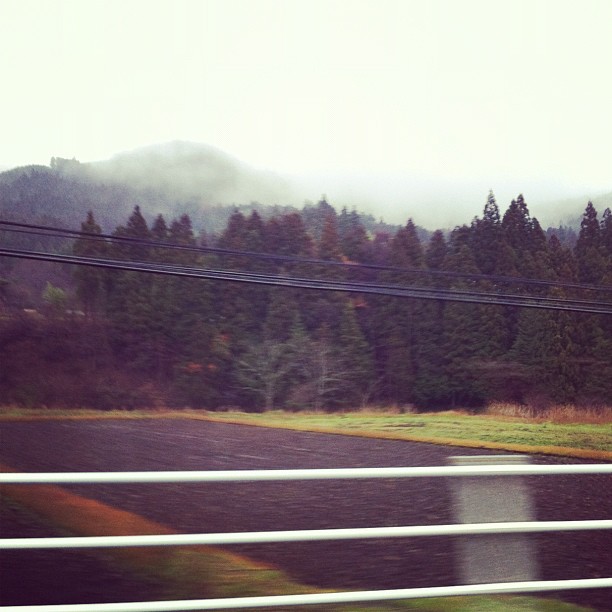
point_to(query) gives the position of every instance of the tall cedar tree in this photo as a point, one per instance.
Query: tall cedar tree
(462, 334)
(89, 281)
(488, 241)
(595, 332)
(241, 316)
(545, 345)
(129, 305)
(314, 217)
(287, 236)
(325, 307)
(354, 240)
(431, 382)
(606, 233)
(545, 341)
(397, 320)
(589, 253)
(354, 353)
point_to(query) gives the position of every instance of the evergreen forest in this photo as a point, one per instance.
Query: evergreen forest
(121, 338)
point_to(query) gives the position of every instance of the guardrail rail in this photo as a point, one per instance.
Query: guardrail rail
(483, 469)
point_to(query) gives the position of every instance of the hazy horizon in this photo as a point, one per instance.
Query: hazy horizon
(387, 105)
(431, 203)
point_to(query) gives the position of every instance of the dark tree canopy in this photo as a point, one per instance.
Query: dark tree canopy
(129, 339)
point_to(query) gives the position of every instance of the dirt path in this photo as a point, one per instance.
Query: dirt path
(189, 445)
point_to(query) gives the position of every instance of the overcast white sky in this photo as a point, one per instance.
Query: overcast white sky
(501, 93)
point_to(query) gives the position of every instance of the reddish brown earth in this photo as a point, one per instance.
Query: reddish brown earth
(198, 445)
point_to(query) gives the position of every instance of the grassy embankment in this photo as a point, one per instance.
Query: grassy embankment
(563, 431)
(580, 440)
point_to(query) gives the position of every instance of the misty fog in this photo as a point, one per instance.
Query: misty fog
(205, 176)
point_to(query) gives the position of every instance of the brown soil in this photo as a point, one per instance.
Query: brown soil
(198, 445)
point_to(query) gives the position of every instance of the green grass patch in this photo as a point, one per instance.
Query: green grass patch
(583, 440)
(590, 440)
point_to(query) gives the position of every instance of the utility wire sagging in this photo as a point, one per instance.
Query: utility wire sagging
(56, 232)
(426, 293)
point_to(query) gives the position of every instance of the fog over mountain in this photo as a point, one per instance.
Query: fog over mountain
(194, 172)
(180, 176)
(444, 203)
(205, 176)
(399, 108)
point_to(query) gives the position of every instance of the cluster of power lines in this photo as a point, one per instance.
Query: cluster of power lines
(281, 280)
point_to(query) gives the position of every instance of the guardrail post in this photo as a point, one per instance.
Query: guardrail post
(491, 499)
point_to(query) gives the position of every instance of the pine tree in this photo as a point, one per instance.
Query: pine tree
(287, 235)
(283, 309)
(436, 251)
(89, 281)
(431, 382)
(254, 237)
(181, 232)
(328, 247)
(130, 307)
(606, 232)
(199, 349)
(545, 346)
(171, 298)
(406, 248)
(314, 217)
(462, 333)
(159, 229)
(354, 241)
(324, 308)
(588, 250)
(137, 229)
(130, 311)
(562, 261)
(589, 235)
(526, 239)
(395, 324)
(242, 306)
(488, 240)
(355, 355)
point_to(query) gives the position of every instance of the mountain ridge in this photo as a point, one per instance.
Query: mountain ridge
(180, 176)
(197, 172)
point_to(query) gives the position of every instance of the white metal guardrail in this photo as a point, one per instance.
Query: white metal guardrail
(305, 535)
(513, 469)
(501, 588)
(473, 528)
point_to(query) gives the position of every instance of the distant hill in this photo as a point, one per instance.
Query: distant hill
(172, 179)
(206, 183)
(39, 194)
(195, 173)
(169, 179)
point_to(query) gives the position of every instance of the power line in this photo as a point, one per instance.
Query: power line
(41, 230)
(320, 284)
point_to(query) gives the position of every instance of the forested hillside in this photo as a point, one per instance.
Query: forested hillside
(119, 338)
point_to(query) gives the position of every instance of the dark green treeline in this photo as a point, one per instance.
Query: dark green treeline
(145, 340)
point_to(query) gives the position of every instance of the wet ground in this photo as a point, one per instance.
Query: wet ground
(198, 445)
